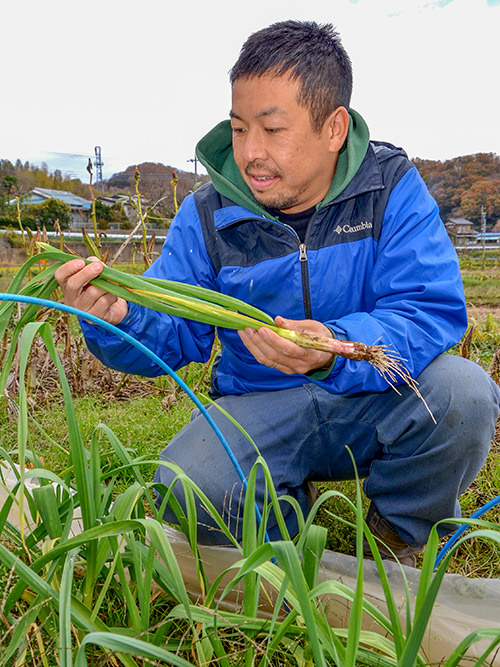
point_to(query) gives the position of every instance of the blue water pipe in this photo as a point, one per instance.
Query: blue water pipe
(21, 298)
(458, 533)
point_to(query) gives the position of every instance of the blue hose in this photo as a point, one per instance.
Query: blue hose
(458, 533)
(130, 339)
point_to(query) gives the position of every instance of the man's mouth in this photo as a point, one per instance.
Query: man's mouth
(262, 182)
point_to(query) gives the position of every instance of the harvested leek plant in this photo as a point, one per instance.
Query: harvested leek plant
(200, 304)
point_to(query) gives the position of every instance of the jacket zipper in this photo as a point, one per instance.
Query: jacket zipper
(304, 274)
(306, 294)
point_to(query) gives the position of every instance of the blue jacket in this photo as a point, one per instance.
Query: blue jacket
(377, 266)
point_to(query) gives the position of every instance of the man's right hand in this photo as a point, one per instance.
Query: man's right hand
(74, 278)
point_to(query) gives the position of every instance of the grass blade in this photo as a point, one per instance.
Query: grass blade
(127, 646)
(65, 653)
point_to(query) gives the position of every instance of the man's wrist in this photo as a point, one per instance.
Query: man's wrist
(323, 372)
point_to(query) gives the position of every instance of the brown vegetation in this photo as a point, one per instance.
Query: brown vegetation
(463, 185)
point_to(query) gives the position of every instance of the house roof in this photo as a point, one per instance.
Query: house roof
(39, 195)
(460, 221)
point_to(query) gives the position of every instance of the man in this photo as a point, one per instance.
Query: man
(334, 235)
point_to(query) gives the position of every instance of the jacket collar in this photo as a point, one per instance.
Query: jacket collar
(368, 178)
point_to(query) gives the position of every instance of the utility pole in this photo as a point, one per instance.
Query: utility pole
(483, 230)
(98, 164)
(195, 160)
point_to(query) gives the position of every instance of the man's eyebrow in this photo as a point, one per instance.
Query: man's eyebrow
(262, 114)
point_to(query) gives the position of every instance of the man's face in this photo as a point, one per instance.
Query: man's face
(286, 165)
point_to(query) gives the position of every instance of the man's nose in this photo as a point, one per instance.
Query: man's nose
(255, 146)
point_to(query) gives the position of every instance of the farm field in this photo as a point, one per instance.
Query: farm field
(122, 424)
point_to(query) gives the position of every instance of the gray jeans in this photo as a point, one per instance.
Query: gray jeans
(414, 469)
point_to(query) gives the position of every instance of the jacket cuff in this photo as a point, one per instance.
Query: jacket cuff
(322, 373)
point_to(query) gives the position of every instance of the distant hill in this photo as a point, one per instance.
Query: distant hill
(155, 184)
(464, 184)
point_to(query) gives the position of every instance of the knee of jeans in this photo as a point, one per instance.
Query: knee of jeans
(228, 504)
(208, 531)
(465, 401)
(461, 386)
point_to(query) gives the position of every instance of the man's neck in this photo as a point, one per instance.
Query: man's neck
(298, 221)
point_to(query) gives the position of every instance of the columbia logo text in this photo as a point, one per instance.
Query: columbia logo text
(348, 229)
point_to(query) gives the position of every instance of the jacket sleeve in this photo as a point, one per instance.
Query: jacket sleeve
(416, 286)
(175, 340)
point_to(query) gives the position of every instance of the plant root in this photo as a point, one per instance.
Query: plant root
(389, 364)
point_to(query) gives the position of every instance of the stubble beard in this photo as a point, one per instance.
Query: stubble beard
(280, 201)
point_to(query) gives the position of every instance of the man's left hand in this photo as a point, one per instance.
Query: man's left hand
(272, 350)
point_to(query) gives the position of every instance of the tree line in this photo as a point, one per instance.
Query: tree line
(463, 185)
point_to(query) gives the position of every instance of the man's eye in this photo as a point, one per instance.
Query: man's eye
(273, 130)
(238, 130)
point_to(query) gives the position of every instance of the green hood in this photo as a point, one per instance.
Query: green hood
(215, 152)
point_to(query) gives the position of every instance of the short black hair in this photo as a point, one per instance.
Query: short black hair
(306, 51)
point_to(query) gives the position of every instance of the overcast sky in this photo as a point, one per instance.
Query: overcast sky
(145, 79)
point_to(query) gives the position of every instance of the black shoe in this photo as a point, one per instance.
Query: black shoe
(312, 493)
(389, 543)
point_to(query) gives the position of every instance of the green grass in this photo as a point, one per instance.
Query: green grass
(147, 421)
(481, 279)
(142, 424)
(6, 275)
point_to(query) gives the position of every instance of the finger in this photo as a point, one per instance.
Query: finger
(63, 272)
(305, 326)
(75, 282)
(287, 324)
(93, 300)
(77, 271)
(102, 305)
(273, 351)
(280, 348)
(254, 345)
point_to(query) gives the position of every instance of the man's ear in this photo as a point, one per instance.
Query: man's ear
(337, 125)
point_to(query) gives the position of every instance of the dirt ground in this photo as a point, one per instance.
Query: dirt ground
(480, 313)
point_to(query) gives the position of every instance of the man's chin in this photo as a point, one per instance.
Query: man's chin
(275, 202)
